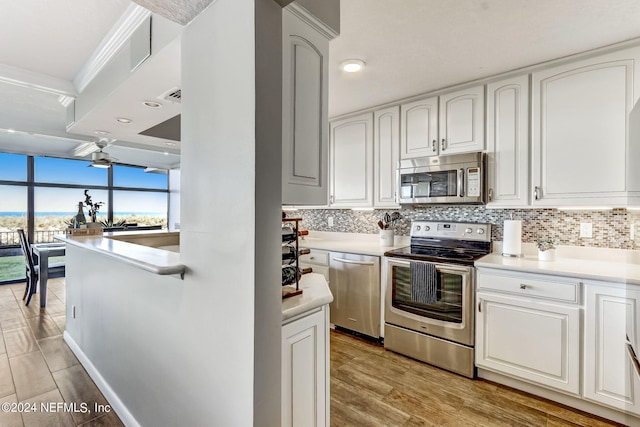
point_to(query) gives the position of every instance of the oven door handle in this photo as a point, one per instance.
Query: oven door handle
(350, 261)
(439, 266)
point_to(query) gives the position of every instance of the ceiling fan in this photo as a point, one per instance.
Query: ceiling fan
(101, 159)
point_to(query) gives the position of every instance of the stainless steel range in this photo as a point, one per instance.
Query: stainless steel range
(430, 291)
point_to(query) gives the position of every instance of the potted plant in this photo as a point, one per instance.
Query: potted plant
(547, 249)
(93, 210)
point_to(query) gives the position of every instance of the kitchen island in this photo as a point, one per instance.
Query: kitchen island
(125, 308)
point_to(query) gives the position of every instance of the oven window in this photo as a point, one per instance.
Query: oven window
(429, 184)
(442, 302)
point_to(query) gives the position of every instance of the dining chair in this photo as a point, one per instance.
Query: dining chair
(33, 269)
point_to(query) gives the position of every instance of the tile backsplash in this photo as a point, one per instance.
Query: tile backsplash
(611, 228)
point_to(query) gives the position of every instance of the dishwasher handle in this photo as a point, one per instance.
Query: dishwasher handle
(350, 261)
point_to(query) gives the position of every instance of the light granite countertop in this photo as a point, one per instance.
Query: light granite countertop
(354, 243)
(600, 264)
(315, 294)
(130, 248)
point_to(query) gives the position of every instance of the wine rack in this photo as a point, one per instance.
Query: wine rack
(291, 271)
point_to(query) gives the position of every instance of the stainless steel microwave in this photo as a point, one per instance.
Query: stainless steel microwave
(452, 179)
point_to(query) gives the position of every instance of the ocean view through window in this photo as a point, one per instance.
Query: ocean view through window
(41, 195)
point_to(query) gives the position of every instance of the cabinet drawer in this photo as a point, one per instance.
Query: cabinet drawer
(315, 257)
(530, 285)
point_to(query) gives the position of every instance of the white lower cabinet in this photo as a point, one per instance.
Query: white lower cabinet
(305, 370)
(528, 327)
(612, 312)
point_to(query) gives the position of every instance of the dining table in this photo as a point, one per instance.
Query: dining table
(44, 251)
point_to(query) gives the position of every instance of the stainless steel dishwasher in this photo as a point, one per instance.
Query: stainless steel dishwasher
(355, 285)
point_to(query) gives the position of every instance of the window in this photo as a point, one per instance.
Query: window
(13, 167)
(54, 207)
(67, 171)
(126, 176)
(140, 207)
(58, 186)
(13, 215)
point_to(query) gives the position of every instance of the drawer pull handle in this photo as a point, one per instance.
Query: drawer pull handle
(523, 286)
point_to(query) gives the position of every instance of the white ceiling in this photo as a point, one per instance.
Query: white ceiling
(415, 46)
(410, 47)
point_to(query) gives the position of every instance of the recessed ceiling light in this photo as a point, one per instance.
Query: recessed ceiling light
(352, 65)
(152, 104)
(11, 130)
(166, 153)
(123, 120)
(101, 132)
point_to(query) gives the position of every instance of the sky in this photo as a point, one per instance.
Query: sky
(13, 167)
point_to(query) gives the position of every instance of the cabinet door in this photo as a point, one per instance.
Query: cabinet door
(305, 346)
(386, 147)
(508, 142)
(579, 130)
(611, 314)
(462, 121)
(351, 161)
(419, 128)
(304, 98)
(531, 340)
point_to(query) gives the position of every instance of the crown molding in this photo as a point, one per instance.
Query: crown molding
(30, 79)
(302, 13)
(128, 23)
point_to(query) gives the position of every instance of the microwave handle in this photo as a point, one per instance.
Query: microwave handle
(461, 182)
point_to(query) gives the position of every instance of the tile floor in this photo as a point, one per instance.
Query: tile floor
(38, 371)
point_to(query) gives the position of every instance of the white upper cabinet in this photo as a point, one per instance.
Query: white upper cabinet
(452, 123)
(462, 121)
(579, 130)
(304, 98)
(351, 161)
(508, 142)
(419, 128)
(386, 153)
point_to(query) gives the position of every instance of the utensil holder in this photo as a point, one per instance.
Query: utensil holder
(387, 238)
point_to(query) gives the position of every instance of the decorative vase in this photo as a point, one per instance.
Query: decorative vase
(80, 218)
(548, 255)
(386, 238)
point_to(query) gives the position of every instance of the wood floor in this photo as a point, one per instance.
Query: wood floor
(374, 387)
(37, 366)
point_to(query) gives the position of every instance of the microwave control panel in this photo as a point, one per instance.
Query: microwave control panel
(473, 182)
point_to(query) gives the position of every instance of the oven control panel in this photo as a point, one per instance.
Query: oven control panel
(451, 230)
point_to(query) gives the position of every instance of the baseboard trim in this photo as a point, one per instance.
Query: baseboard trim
(118, 406)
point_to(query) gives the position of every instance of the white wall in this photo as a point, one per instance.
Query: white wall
(268, 220)
(183, 352)
(217, 236)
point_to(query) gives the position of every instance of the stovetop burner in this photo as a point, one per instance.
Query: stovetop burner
(457, 256)
(454, 243)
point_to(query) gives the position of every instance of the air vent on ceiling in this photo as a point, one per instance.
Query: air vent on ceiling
(172, 95)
